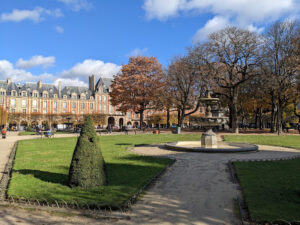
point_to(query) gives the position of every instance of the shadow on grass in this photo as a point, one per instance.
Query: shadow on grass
(124, 144)
(46, 176)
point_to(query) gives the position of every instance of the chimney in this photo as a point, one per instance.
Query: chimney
(39, 83)
(59, 88)
(8, 80)
(92, 83)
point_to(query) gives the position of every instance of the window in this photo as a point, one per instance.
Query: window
(34, 110)
(91, 106)
(129, 115)
(54, 111)
(54, 105)
(82, 105)
(2, 93)
(74, 96)
(44, 111)
(35, 95)
(13, 103)
(12, 110)
(104, 98)
(73, 111)
(64, 96)
(55, 95)
(24, 94)
(44, 104)
(104, 108)
(74, 105)
(110, 109)
(64, 105)
(13, 93)
(34, 103)
(100, 98)
(45, 95)
(24, 103)
(24, 110)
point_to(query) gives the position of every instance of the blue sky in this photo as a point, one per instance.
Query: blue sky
(68, 40)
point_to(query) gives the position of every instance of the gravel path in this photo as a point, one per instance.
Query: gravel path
(197, 189)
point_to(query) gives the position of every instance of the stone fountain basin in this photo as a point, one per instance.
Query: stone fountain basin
(223, 147)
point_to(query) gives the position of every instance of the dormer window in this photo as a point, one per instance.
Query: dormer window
(55, 95)
(13, 93)
(35, 94)
(45, 94)
(24, 93)
(74, 96)
(64, 96)
(82, 96)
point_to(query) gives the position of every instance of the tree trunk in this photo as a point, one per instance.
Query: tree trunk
(233, 109)
(256, 118)
(168, 117)
(141, 118)
(279, 116)
(178, 118)
(273, 113)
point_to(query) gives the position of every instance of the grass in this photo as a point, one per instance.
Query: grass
(23, 133)
(271, 189)
(292, 141)
(41, 169)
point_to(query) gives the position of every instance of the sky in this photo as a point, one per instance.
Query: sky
(69, 40)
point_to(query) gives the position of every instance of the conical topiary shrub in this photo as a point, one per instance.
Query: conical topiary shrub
(87, 168)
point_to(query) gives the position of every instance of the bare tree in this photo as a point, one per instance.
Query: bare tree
(233, 55)
(283, 64)
(187, 84)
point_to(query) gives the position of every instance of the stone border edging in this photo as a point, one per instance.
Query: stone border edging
(4, 182)
(242, 204)
(242, 147)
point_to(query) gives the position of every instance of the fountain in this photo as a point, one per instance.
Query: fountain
(209, 142)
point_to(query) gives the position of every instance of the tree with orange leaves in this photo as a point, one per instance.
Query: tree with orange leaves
(138, 85)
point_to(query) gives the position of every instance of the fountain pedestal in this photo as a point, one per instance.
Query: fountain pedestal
(209, 139)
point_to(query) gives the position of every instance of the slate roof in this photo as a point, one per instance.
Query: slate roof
(102, 84)
(68, 90)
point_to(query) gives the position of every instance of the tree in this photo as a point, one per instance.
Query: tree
(283, 63)
(3, 116)
(187, 83)
(137, 86)
(232, 55)
(87, 168)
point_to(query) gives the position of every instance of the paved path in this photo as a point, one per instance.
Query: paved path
(196, 190)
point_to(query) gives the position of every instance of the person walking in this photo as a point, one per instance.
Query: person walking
(3, 132)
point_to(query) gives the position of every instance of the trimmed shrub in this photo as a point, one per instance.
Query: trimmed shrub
(29, 128)
(87, 168)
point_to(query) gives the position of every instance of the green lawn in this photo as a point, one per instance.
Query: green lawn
(23, 133)
(292, 141)
(271, 189)
(41, 169)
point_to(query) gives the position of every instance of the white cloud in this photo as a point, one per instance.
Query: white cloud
(244, 10)
(34, 61)
(212, 25)
(89, 67)
(248, 14)
(70, 82)
(36, 15)
(7, 70)
(162, 9)
(77, 5)
(137, 52)
(59, 29)
(76, 76)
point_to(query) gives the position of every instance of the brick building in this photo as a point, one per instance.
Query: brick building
(36, 103)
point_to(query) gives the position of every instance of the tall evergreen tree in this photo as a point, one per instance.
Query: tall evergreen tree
(87, 168)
